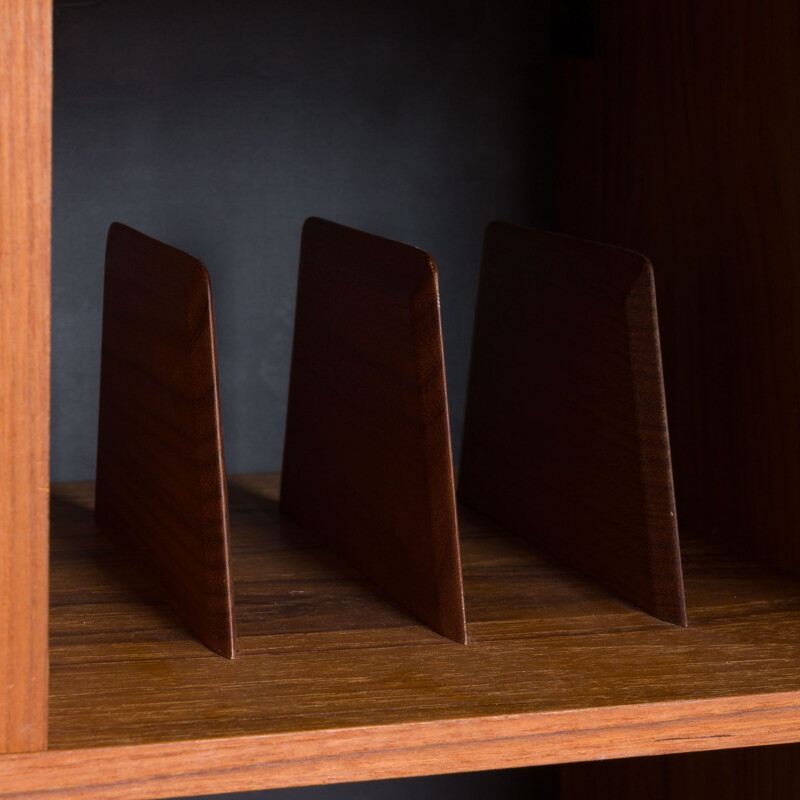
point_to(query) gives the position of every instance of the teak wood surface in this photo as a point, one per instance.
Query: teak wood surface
(335, 683)
(565, 437)
(161, 489)
(689, 154)
(368, 465)
(25, 158)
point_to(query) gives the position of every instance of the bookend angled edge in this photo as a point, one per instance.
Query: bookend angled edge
(367, 458)
(565, 436)
(161, 491)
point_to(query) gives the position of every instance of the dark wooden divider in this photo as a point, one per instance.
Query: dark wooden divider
(368, 463)
(565, 439)
(161, 488)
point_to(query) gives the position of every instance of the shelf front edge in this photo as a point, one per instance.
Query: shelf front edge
(402, 750)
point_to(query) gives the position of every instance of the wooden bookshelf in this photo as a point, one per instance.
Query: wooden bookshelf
(335, 682)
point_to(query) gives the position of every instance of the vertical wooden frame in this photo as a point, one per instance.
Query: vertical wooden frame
(25, 202)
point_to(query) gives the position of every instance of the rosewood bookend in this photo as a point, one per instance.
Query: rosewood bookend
(161, 490)
(565, 438)
(367, 461)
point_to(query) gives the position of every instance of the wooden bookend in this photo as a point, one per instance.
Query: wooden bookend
(161, 489)
(565, 438)
(367, 460)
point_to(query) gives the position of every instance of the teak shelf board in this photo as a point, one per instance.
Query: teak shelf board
(321, 651)
(396, 751)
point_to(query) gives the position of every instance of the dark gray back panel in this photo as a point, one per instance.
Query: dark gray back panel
(218, 127)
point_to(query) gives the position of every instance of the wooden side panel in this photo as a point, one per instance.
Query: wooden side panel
(565, 439)
(680, 140)
(367, 461)
(25, 195)
(766, 773)
(161, 490)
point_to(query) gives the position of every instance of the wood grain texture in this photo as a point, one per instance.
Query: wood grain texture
(557, 669)
(161, 490)
(393, 751)
(565, 438)
(25, 196)
(680, 140)
(766, 773)
(367, 459)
